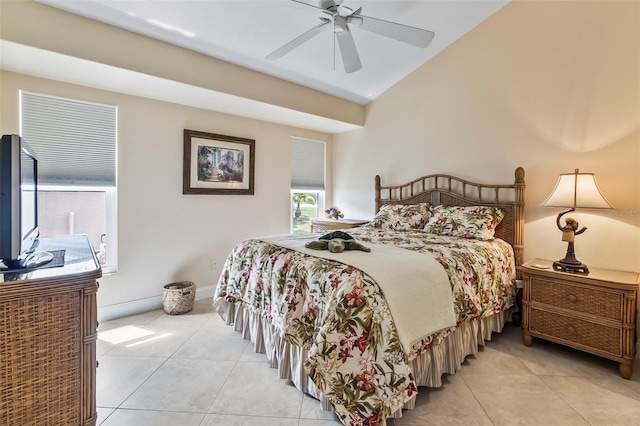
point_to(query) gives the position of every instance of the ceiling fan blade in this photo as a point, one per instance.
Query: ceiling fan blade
(321, 4)
(346, 11)
(280, 52)
(348, 51)
(404, 33)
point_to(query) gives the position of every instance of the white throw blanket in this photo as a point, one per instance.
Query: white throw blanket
(415, 286)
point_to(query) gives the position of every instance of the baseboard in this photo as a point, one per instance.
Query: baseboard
(119, 310)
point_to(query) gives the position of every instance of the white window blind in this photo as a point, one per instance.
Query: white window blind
(75, 141)
(307, 164)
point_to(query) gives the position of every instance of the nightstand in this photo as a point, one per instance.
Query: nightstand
(594, 313)
(322, 225)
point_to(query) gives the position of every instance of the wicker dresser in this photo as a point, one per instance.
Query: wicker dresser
(48, 321)
(323, 225)
(595, 313)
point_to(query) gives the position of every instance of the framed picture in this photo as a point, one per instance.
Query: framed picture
(217, 164)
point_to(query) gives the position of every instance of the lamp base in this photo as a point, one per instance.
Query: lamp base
(571, 266)
(570, 263)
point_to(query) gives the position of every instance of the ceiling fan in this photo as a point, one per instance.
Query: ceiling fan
(343, 18)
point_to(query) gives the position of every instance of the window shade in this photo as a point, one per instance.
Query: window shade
(307, 164)
(75, 141)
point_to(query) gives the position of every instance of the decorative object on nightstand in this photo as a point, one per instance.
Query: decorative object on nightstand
(594, 313)
(322, 225)
(574, 190)
(334, 213)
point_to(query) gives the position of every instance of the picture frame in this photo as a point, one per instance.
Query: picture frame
(217, 164)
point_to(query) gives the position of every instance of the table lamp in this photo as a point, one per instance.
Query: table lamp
(574, 190)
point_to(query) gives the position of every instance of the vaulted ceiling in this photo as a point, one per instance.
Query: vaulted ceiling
(243, 32)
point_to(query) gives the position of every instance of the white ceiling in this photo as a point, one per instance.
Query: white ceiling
(243, 32)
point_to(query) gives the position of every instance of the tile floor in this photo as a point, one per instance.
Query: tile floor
(191, 369)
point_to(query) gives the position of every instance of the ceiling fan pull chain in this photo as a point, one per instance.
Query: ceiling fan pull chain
(334, 52)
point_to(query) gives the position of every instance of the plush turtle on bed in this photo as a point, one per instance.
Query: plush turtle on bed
(336, 242)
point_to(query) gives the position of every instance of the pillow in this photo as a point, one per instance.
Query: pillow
(477, 222)
(402, 217)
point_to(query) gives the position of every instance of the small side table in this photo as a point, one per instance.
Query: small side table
(594, 313)
(322, 225)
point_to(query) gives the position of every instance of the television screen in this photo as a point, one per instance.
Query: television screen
(18, 201)
(28, 198)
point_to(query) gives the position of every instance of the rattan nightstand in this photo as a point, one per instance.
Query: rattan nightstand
(322, 225)
(595, 313)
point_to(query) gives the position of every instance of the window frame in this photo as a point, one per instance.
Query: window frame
(110, 189)
(320, 204)
(308, 174)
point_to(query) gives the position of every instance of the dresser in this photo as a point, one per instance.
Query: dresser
(48, 332)
(324, 225)
(595, 313)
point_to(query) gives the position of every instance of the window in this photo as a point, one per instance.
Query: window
(307, 182)
(75, 142)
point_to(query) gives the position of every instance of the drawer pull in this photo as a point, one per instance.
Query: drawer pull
(571, 329)
(572, 298)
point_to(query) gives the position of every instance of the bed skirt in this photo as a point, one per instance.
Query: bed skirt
(428, 368)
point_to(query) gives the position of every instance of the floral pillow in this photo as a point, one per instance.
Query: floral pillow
(477, 222)
(401, 217)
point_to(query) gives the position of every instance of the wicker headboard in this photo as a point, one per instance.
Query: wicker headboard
(449, 190)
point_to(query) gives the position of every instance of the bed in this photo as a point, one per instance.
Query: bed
(330, 322)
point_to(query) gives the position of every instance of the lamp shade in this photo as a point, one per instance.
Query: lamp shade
(577, 190)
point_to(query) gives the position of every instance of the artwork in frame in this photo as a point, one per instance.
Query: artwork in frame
(217, 164)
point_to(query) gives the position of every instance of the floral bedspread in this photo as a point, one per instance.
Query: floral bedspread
(339, 313)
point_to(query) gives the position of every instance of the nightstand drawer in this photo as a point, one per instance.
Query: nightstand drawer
(595, 313)
(599, 302)
(574, 330)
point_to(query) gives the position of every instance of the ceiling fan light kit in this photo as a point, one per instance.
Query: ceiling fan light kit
(343, 17)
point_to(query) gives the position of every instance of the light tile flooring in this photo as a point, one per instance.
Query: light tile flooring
(191, 369)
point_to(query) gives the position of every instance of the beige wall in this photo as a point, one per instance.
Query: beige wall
(163, 235)
(550, 86)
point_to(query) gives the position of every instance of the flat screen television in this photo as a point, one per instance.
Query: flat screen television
(19, 205)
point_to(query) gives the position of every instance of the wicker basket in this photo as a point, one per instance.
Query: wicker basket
(177, 298)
